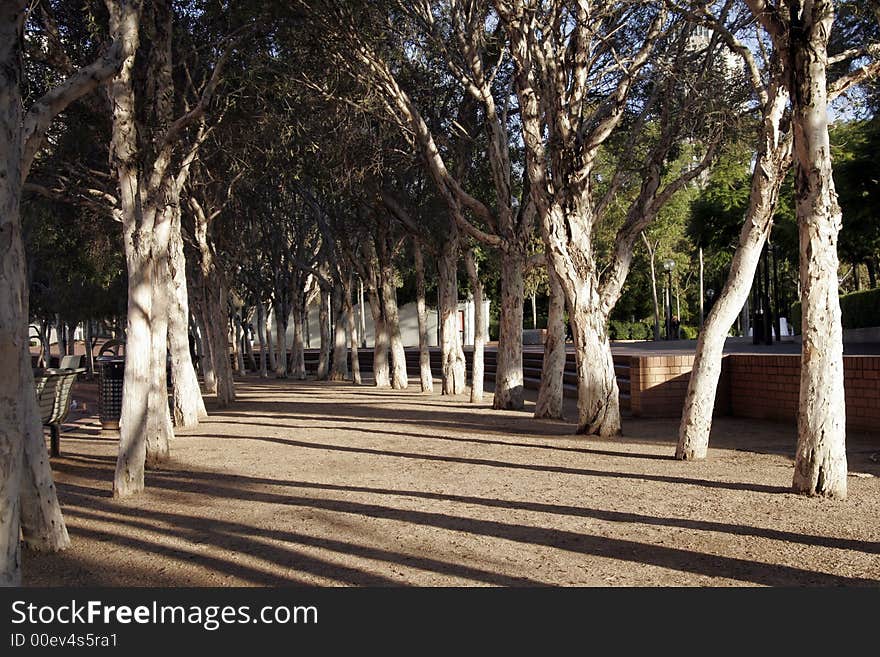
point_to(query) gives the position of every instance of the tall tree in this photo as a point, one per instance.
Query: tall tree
(28, 501)
(577, 71)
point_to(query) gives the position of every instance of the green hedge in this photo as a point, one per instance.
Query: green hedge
(689, 332)
(620, 330)
(858, 310)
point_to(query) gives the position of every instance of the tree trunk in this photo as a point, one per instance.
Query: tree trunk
(820, 462)
(270, 341)
(381, 373)
(300, 316)
(133, 429)
(137, 246)
(509, 372)
(207, 351)
(425, 377)
(61, 336)
(89, 346)
(872, 272)
(159, 427)
(339, 369)
(399, 378)
(774, 152)
(352, 332)
(653, 287)
(477, 370)
(45, 338)
(42, 525)
(189, 407)
(450, 341)
(598, 395)
(550, 394)
(14, 391)
(239, 341)
(362, 314)
(324, 321)
(71, 338)
(220, 336)
(27, 494)
(249, 345)
(281, 312)
(261, 335)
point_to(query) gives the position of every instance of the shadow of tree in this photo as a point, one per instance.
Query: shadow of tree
(241, 537)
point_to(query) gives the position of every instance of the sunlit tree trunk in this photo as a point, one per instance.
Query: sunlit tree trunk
(550, 393)
(189, 406)
(425, 378)
(820, 461)
(477, 369)
(137, 246)
(509, 372)
(773, 161)
(399, 378)
(450, 340)
(159, 427)
(381, 372)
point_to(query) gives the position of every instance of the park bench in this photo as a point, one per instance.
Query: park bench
(53, 388)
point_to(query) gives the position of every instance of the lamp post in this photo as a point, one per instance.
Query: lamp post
(668, 266)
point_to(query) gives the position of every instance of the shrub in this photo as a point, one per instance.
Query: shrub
(622, 330)
(688, 332)
(858, 310)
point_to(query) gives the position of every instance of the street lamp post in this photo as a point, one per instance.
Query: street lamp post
(668, 266)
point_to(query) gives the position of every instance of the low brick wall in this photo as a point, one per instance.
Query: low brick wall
(767, 387)
(658, 385)
(763, 387)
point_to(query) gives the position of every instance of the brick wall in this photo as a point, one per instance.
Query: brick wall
(764, 387)
(758, 386)
(658, 385)
(767, 387)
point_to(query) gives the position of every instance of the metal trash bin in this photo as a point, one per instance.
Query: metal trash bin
(111, 372)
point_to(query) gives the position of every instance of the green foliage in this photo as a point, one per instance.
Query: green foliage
(621, 330)
(857, 180)
(75, 263)
(688, 332)
(858, 310)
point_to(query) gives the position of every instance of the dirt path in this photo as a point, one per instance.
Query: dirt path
(327, 484)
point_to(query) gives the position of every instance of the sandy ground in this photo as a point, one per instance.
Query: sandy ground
(306, 483)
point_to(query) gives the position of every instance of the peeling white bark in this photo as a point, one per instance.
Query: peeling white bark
(550, 393)
(450, 340)
(425, 378)
(477, 367)
(774, 153)
(509, 372)
(820, 458)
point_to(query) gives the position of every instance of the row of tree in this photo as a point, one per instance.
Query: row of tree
(261, 153)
